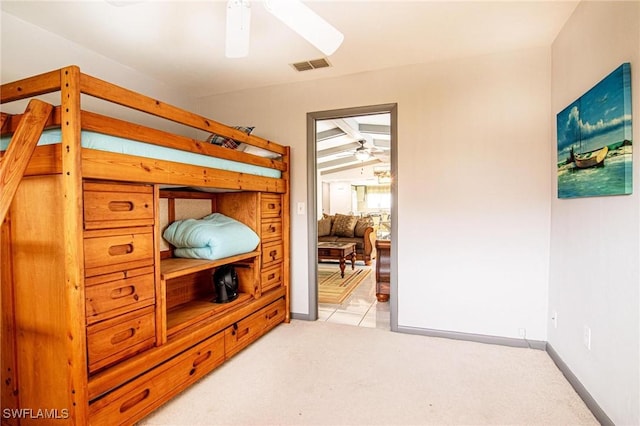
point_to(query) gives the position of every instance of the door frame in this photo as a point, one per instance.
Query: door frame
(312, 200)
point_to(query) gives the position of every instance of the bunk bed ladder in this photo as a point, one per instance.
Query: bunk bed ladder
(23, 143)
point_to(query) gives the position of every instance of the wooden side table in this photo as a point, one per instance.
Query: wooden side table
(383, 269)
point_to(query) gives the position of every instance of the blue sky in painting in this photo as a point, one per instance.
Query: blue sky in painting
(600, 117)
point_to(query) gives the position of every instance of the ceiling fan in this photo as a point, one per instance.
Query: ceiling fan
(361, 153)
(293, 13)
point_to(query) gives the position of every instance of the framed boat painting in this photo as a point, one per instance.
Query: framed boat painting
(595, 143)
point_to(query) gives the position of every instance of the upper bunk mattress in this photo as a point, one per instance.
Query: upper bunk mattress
(102, 142)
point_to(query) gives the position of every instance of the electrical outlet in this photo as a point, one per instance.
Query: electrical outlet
(522, 332)
(555, 319)
(586, 337)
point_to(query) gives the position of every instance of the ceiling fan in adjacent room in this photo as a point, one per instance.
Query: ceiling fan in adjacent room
(293, 13)
(361, 153)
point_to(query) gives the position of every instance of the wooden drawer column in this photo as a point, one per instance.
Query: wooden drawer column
(119, 252)
(271, 236)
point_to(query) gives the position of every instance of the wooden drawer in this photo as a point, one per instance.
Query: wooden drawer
(271, 229)
(138, 398)
(271, 205)
(109, 205)
(245, 331)
(118, 338)
(271, 278)
(114, 294)
(112, 250)
(272, 253)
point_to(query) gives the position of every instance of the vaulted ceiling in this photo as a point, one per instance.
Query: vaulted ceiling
(338, 140)
(181, 43)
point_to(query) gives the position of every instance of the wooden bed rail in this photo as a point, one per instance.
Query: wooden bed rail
(51, 82)
(110, 92)
(32, 86)
(14, 163)
(115, 127)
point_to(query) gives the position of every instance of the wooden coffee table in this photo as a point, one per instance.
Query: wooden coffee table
(340, 252)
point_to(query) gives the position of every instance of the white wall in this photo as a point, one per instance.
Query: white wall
(27, 50)
(340, 198)
(473, 176)
(595, 242)
(323, 202)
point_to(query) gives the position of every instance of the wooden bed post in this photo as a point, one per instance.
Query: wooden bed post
(286, 233)
(74, 257)
(9, 390)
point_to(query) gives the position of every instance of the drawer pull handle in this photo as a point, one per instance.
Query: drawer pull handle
(120, 292)
(272, 228)
(133, 401)
(121, 206)
(272, 314)
(272, 254)
(121, 249)
(242, 333)
(271, 276)
(202, 358)
(272, 206)
(122, 336)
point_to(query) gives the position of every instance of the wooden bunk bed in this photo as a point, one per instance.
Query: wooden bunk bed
(99, 324)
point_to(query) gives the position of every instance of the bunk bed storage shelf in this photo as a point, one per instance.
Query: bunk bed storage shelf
(187, 284)
(175, 267)
(115, 324)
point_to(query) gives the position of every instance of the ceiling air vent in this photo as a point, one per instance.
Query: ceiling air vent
(311, 64)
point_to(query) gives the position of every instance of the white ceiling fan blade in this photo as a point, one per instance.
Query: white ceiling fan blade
(307, 24)
(238, 28)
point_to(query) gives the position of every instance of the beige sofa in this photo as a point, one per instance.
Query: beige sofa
(354, 229)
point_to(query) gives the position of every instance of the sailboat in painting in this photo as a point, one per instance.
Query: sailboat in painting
(588, 159)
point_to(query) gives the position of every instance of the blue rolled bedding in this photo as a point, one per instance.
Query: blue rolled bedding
(213, 237)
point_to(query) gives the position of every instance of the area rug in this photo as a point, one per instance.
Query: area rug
(334, 289)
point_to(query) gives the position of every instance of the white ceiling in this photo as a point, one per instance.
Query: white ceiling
(181, 43)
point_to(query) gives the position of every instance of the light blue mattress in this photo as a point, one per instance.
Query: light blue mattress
(118, 145)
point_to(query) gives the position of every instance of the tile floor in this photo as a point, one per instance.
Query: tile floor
(361, 308)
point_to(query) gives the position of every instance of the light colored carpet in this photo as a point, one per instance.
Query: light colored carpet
(318, 373)
(332, 288)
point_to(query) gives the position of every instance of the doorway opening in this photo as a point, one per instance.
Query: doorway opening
(352, 215)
